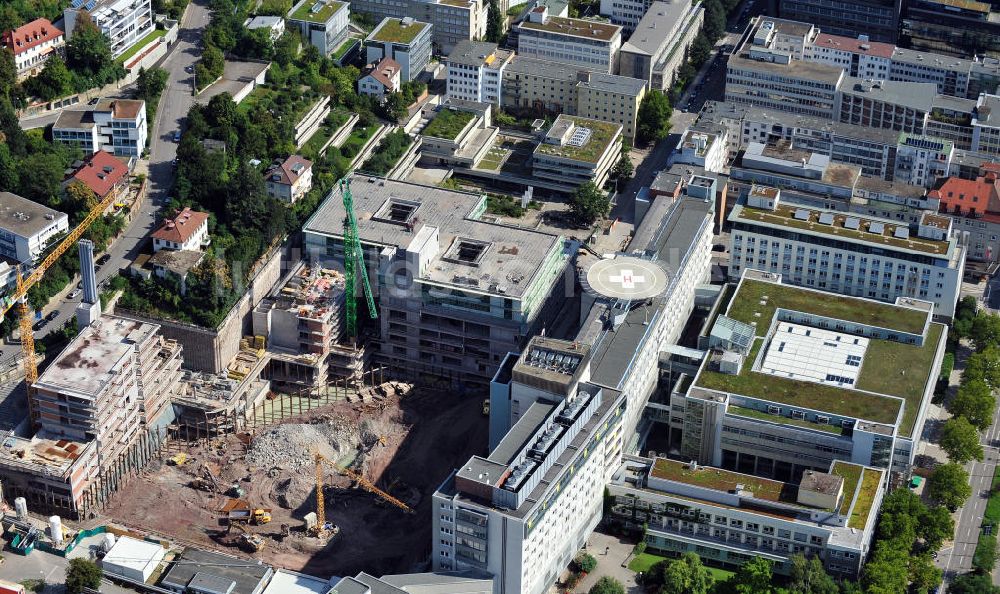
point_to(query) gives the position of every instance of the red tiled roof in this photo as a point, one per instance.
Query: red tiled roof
(384, 71)
(181, 227)
(981, 194)
(101, 172)
(289, 170)
(28, 36)
(857, 46)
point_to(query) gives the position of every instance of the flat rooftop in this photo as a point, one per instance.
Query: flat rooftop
(589, 149)
(892, 375)
(23, 217)
(85, 366)
(584, 28)
(815, 355)
(812, 71)
(500, 259)
(41, 454)
(392, 30)
(203, 565)
(316, 11)
(883, 233)
(709, 477)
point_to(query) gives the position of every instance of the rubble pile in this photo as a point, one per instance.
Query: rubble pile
(293, 446)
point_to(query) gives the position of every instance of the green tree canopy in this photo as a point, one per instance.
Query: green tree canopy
(685, 575)
(753, 577)
(949, 485)
(53, 82)
(973, 583)
(984, 365)
(494, 22)
(809, 577)
(88, 50)
(82, 573)
(985, 330)
(975, 401)
(607, 585)
(589, 203)
(960, 440)
(653, 118)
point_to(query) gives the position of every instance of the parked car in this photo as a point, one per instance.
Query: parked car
(52, 315)
(103, 259)
(40, 324)
(177, 136)
(75, 294)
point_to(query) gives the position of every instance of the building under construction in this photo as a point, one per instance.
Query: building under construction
(99, 407)
(303, 324)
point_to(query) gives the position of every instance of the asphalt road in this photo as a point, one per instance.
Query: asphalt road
(174, 105)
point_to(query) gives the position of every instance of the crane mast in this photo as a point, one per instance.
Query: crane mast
(353, 260)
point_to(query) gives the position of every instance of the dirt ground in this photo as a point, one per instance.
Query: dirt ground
(405, 445)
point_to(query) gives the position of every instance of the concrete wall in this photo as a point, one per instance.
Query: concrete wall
(207, 349)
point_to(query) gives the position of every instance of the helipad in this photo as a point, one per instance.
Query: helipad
(626, 277)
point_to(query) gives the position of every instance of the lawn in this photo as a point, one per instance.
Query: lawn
(747, 302)
(305, 13)
(601, 134)
(759, 414)
(516, 10)
(802, 394)
(851, 473)
(870, 481)
(723, 480)
(392, 30)
(345, 47)
(132, 51)
(644, 561)
(448, 124)
(332, 123)
(493, 159)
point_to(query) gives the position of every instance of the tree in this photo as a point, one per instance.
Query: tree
(653, 118)
(975, 401)
(701, 50)
(43, 183)
(715, 20)
(809, 577)
(10, 177)
(753, 577)
(960, 440)
(949, 485)
(607, 585)
(685, 575)
(936, 526)
(88, 50)
(150, 83)
(494, 22)
(984, 365)
(82, 573)
(53, 82)
(624, 169)
(985, 330)
(973, 583)
(887, 571)
(585, 562)
(923, 574)
(589, 203)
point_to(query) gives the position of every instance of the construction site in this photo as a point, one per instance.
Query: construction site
(378, 458)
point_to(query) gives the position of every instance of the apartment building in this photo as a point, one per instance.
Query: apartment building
(117, 126)
(303, 322)
(476, 70)
(274, 25)
(974, 207)
(32, 45)
(406, 41)
(879, 19)
(658, 46)
(582, 43)
(27, 227)
(322, 22)
(451, 20)
(703, 149)
(577, 150)
(124, 22)
(756, 406)
(455, 293)
(187, 231)
(731, 518)
(289, 180)
(921, 161)
(523, 512)
(537, 87)
(893, 259)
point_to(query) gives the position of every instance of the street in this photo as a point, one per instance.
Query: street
(174, 105)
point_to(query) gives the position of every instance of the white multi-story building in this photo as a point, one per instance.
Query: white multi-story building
(704, 149)
(626, 13)
(322, 22)
(587, 44)
(452, 20)
(852, 255)
(26, 227)
(730, 518)
(920, 160)
(405, 40)
(274, 25)
(475, 71)
(576, 150)
(124, 22)
(660, 43)
(32, 44)
(114, 125)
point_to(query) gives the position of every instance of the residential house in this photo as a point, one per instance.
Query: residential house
(32, 44)
(290, 179)
(380, 79)
(187, 231)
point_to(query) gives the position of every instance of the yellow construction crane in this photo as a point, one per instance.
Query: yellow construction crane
(362, 481)
(20, 295)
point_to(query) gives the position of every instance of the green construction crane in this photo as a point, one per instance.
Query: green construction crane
(353, 255)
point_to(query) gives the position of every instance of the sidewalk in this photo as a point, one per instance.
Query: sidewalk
(611, 563)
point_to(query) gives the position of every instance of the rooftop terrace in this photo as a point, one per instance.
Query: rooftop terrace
(724, 480)
(394, 31)
(316, 11)
(448, 123)
(591, 150)
(889, 369)
(871, 231)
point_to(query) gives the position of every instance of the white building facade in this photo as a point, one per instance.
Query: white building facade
(124, 22)
(587, 44)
